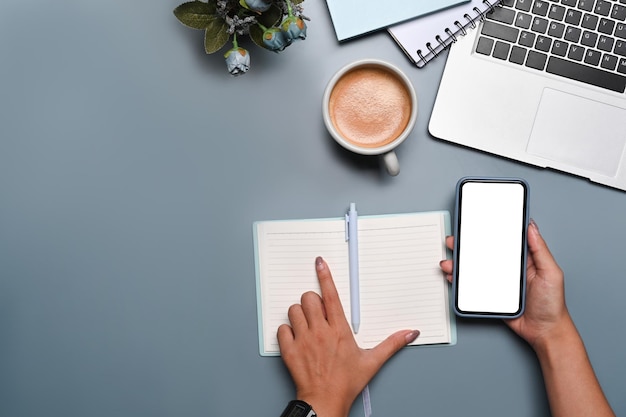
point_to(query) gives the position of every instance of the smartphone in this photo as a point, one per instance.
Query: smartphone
(491, 221)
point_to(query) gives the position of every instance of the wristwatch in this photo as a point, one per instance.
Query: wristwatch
(297, 408)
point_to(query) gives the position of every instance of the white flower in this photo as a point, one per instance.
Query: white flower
(237, 61)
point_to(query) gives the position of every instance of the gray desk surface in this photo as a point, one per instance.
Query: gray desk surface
(131, 169)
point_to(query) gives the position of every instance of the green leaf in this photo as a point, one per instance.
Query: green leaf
(271, 17)
(216, 35)
(196, 14)
(296, 1)
(256, 34)
(243, 4)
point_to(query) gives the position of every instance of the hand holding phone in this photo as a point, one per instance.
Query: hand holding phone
(491, 219)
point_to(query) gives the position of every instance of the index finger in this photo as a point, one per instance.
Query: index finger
(332, 303)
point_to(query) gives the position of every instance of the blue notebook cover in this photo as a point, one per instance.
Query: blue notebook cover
(356, 17)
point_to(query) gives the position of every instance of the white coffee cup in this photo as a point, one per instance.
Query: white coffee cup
(370, 108)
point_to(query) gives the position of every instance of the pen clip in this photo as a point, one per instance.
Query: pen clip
(347, 227)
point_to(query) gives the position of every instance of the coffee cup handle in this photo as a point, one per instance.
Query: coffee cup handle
(391, 163)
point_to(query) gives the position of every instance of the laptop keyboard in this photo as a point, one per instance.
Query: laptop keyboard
(582, 40)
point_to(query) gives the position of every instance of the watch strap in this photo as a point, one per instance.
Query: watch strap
(298, 408)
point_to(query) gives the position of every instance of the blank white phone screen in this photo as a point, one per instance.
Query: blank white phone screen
(492, 221)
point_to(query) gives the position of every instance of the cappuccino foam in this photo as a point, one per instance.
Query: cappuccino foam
(370, 107)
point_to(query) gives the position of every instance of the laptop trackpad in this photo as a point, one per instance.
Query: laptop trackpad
(579, 132)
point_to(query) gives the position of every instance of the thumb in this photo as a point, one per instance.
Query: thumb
(388, 347)
(542, 257)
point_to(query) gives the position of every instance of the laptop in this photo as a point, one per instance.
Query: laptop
(542, 82)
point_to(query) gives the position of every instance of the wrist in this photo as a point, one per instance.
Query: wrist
(561, 335)
(326, 406)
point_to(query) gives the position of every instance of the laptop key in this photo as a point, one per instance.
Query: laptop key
(502, 14)
(501, 51)
(586, 5)
(556, 30)
(609, 62)
(556, 12)
(496, 30)
(589, 39)
(524, 5)
(605, 43)
(592, 57)
(540, 7)
(518, 55)
(523, 20)
(527, 39)
(543, 43)
(536, 60)
(606, 26)
(586, 74)
(540, 25)
(559, 48)
(576, 52)
(603, 7)
(590, 21)
(572, 34)
(484, 46)
(573, 17)
(622, 66)
(618, 12)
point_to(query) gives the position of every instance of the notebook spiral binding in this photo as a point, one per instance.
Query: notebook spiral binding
(452, 37)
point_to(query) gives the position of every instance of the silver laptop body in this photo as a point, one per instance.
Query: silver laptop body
(532, 85)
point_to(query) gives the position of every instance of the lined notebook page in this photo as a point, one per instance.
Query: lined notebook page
(286, 252)
(401, 284)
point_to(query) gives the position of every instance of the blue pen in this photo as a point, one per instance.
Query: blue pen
(353, 260)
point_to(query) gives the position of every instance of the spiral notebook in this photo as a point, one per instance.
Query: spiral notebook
(422, 39)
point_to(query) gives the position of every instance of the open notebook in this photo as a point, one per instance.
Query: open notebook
(401, 284)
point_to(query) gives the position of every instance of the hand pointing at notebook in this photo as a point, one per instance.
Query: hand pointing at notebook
(328, 368)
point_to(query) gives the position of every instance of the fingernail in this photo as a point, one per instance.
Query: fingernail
(410, 337)
(319, 263)
(534, 225)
